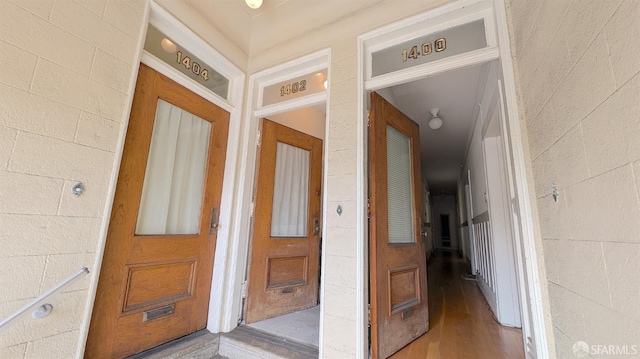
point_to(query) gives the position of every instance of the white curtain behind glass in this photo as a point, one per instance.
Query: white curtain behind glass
(399, 186)
(290, 192)
(174, 179)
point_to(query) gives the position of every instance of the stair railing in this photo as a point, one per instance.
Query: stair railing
(40, 306)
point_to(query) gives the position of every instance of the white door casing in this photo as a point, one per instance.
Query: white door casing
(494, 14)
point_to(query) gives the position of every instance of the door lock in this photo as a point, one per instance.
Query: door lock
(316, 225)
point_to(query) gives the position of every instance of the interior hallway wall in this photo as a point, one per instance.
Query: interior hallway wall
(578, 65)
(427, 218)
(478, 183)
(307, 120)
(67, 72)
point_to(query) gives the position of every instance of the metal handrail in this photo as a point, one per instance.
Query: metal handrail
(39, 305)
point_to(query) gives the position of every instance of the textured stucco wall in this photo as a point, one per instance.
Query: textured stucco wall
(65, 82)
(578, 65)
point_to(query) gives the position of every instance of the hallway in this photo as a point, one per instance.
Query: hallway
(461, 324)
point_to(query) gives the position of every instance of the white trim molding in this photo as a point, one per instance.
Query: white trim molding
(291, 105)
(362, 229)
(428, 69)
(529, 257)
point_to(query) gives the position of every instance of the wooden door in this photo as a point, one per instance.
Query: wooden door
(398, 275)
(156, 271)
(283, 271)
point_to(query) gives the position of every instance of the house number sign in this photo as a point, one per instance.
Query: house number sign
(424, 50)
(195, 67)
(430, 47)
(293, 87)
(181, 59)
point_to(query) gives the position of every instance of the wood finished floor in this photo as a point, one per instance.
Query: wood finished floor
(461, 324)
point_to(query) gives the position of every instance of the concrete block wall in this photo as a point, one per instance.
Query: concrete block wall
(340, 270)
(65, 85)
(578, 78)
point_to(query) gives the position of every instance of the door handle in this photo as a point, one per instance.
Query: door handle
(213, 221)
(316, 225)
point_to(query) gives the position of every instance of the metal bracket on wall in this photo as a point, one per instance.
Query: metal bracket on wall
(78, 189)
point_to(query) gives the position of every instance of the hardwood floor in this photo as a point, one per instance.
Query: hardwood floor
(461, 324)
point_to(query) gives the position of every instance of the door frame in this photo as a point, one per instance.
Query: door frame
(170, 25)
(438, 19)
(236, 268)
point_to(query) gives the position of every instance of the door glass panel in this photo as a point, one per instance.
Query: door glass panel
(290, 192)
(174, 179)
(399, 187)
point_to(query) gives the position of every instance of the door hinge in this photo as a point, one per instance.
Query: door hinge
(243, 289)
(258, 139)
(252, 209)
(369, 315)
(368, 208)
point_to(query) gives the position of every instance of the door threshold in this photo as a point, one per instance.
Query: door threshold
(302, 326)
(201, 344)
(246, 342)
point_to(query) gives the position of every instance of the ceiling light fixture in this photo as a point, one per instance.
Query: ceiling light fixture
(435, 122)
(254, 4)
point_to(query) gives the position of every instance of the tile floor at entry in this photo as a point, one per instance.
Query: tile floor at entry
(461, 323)
(302, 327)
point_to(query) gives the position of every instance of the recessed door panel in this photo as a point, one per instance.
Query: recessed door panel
(287, 271)
(150, 285)
(404, 288)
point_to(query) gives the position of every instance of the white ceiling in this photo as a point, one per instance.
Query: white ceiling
(284, 28)
(457, 94)
(267, 5)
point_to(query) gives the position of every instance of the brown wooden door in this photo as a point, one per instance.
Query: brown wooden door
(283, 272)
(156, 272)
(398, 275)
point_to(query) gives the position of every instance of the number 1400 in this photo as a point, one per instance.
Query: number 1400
(426, 49)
